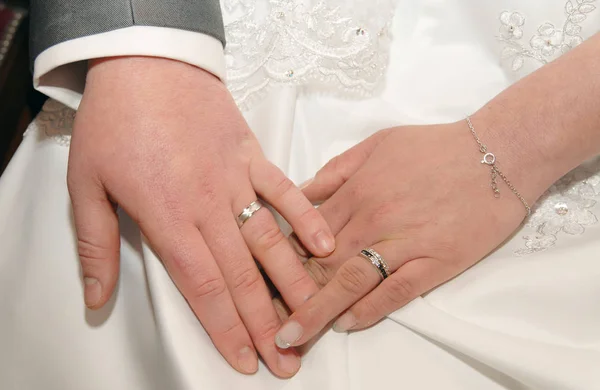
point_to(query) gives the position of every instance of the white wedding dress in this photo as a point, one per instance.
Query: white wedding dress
(314, 79)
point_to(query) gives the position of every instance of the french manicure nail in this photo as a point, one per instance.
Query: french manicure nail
(288, 362)
(92, 291)
(288, 334)
(247, 360)
(325, 242)
(345, 322)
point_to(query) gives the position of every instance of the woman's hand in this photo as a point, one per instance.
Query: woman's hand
(165, 141)
(421, 198)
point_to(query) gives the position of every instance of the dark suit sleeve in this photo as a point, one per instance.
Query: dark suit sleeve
(56, 21)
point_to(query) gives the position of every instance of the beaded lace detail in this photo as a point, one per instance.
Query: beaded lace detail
(550, 41)
(55, 121)
(334, 46)
(567, 208)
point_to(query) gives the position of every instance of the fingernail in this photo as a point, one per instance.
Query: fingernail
(247, 360)
(288, 362)
(344, 323)
(325, 242)
(306, 183)
(288, 334)
(92, 291)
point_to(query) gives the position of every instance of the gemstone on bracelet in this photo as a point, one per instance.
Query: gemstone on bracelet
(561, 208)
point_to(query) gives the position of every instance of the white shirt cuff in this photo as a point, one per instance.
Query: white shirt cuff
(60, 70)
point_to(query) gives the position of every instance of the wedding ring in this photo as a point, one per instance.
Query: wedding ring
(248, 212)
(375, 258)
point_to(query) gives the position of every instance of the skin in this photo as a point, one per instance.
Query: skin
(383, 194)
(165, 141)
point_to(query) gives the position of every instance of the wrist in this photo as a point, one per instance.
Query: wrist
(546, 124)
(519, 154)
(146, 71)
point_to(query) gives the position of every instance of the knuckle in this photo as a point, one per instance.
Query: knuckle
(181, 258)
(208, 185)
(91, 252)
(208, 287)
(230, 330)
(351, 277)
(270, 237)
(283, 186)
(356, 192)
(267, 330)
(381, 214)
(357, 241)
(247, 280)
(208, 193)
(170, 216)
(309, 214)
(367, 309)
(317, 272)
(399, 291)
(301, 280)
(447, 248)
(336, 165)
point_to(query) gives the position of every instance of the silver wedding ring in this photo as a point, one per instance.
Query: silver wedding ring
(375, 258)
(248, 212)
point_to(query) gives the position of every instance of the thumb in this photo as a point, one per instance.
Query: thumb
(340, 168)
(98, 240)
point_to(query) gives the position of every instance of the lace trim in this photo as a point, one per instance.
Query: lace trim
(339, 46)
(55, 121)
(549, 42)
(566, 208)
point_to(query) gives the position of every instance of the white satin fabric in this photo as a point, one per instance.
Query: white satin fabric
(510, 322)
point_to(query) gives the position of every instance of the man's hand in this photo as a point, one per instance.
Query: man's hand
(165, 141)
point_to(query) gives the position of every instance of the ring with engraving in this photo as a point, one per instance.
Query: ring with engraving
(248, 212)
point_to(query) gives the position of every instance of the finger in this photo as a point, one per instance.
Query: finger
(248, 289)
(337, 211)
(98, 240)
(277, 257)
(355, 278)
(195, 272)
(351, 239)
(413, 279)
(274, 187)
(339, 169)
(302, 253)
(283, 311)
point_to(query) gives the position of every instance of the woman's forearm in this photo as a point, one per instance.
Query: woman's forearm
(548, 123)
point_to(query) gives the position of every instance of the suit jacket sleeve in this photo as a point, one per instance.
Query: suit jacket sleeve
(65, 34)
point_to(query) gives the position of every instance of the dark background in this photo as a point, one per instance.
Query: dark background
(19, 103)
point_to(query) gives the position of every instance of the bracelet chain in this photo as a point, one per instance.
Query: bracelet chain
(490, 159)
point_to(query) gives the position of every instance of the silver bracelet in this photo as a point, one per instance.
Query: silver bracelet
(490, 159)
